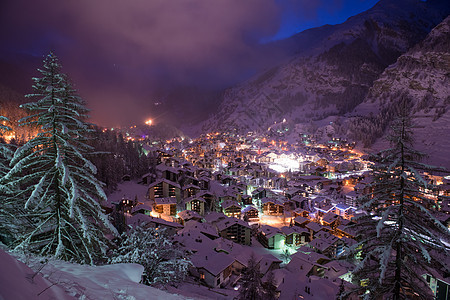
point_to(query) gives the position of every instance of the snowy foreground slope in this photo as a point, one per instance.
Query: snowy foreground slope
(63, 280)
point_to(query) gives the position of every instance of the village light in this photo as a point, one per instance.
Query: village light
(149, 122)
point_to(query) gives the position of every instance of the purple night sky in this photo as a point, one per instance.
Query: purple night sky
(124, 56)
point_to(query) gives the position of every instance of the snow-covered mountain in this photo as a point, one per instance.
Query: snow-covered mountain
(423, 76)
(333, 70)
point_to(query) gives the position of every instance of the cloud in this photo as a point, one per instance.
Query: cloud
(173, 36)
(137, 46)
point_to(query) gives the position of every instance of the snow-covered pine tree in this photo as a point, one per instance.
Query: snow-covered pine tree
(269, 287)
(399, 239)
(163, 261)
(54, 183)
(5, 151)
(6, 207)
(251, 284)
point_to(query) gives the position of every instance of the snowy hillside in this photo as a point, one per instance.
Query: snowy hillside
(421, 75)
(63, 280)
(332, 74)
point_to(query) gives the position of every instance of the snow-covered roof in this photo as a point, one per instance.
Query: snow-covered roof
(189, 214)
(129, 190)
(162, 167)
(164, 180)
(270, 200)
(213, 262)
(229, 221)
(301, 220)
(307, 288)
(294, 229)
(165, 200)
(141, 219)
(330, 217)
(314, 226)
(320, 244)
(270, 231)
(229, 203)
(139, 207)
(336, 268)
(205, 228)
(214, 217)
(248, 208)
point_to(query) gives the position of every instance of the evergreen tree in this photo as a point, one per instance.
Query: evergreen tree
(5, 151)
(6, 207)
(269, 287)
(54, 182)
(251, 285)
(341, 294)
(163, 261)
(286, 256)
(399, 239)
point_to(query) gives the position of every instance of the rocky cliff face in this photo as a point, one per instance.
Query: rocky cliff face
(333, 70)
(422, 75)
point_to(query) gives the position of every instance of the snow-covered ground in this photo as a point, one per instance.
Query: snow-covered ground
(128, 190)
(64, 280)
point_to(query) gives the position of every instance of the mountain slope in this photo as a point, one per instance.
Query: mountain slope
(333, 72)
(422, 75)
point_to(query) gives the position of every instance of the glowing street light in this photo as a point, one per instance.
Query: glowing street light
(149, 122)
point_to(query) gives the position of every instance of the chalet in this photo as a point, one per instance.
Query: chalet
(292, 285)
(247, 200)
(167, 172)
(187, 215)
(206, 229)
(295, 235)
(323, 246)
(331, 219)
(345, 231)
(271, 237)
(210, 200)
(152, 222)
(338, 269)
(148, 178)
(307, 263)
(314, 228)
(166, 206)
(145, 209)
(204, 182)
(164, 188)
(196, 204)
(242, 258)
(250, 213)
(214, 217)
(126, 205)
(163, 155)
(301, 221)
(350, 198)
(345, 211)
(190, 190)
(294, 191)
(269, 263)
(272, 207)
(212, 268)
(235, 230)
(300, 212)
(259, 193)
(231, 208)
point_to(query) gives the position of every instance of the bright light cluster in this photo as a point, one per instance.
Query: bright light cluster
(285, 163)
(149, 122)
